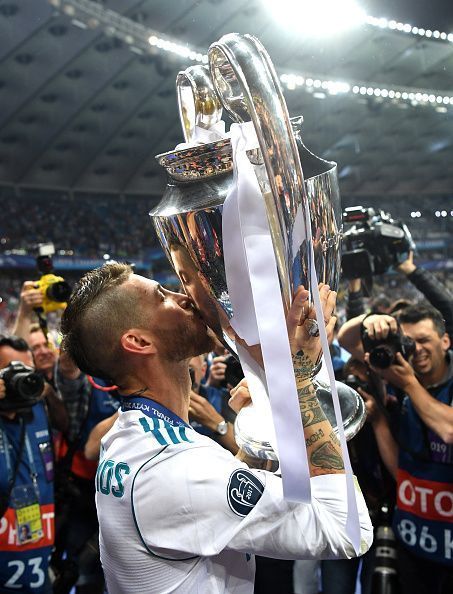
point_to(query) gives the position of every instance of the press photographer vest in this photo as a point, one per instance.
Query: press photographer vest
(423, 519)
(23, 567)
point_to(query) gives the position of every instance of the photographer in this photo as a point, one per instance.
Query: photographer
(74, 560)
(206, 404)
(31, 298)
(44, 354)
(340, 576)
(422, 458)
(26, 473)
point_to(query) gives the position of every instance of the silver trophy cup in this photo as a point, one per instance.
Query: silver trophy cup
(188, 220)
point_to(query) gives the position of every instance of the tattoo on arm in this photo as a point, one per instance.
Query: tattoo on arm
(334, 438)
(322, 443)
(327, 457)
(311, 411)
(316, 436)
(310, 408)
(303, 366)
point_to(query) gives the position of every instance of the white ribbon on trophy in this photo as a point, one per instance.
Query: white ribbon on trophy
(259, 318)
(204, 135)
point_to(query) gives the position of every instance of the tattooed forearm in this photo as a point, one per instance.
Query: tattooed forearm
(310, 408)
(311, 411)
(323, 447)
(327, 457)
(316, 436)
(303, 366)
(321, 441)
(334, 438)
(306, 390)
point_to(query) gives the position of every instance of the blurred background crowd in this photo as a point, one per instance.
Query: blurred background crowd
(88, 230)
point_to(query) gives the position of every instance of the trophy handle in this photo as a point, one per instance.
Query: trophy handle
(198, 103)
(248, 87)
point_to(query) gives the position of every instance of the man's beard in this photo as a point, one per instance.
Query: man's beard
(189, 343)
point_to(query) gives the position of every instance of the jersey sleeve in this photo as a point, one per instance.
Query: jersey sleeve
(202, 501)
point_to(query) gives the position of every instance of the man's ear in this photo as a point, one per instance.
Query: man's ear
(136, 340)
(446, 342)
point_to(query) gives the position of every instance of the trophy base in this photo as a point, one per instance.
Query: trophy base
(352, 406)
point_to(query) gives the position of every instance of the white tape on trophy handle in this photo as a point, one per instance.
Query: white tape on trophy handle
(352, 521)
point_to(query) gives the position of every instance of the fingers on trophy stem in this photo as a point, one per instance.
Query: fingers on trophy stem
(329, 308)
(303, 313)
(298, 309)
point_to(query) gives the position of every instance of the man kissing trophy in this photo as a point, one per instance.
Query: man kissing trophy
(244, 228)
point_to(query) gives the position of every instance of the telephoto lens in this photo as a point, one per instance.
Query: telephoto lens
(385, 578)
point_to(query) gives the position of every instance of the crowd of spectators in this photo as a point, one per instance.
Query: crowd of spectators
(84, 227)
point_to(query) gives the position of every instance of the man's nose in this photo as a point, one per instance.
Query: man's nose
(181, 299)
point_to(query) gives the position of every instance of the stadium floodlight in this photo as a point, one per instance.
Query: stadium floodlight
(141, 40)
(316, 19)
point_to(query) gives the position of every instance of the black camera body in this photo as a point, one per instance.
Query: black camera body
(55, 290)
(373, 243)
(23, 386)
(233, 371)
(383, 352)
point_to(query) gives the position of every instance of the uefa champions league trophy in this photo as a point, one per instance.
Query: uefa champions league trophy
(188, 220)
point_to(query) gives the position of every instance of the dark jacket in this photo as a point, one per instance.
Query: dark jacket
(436, 293)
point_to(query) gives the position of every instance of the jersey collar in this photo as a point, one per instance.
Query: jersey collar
(151, 409)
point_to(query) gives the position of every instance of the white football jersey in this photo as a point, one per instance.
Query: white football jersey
(178, 513)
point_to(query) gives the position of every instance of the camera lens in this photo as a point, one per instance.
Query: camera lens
(382, 356)
(407, 347)
(28, 385)
(59, 291)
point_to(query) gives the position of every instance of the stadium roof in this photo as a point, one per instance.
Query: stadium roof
(87, 102)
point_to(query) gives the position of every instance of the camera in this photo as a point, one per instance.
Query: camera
(23, 385)
(383, 351)
(233, 371)
(373, 243)
(56, 291)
